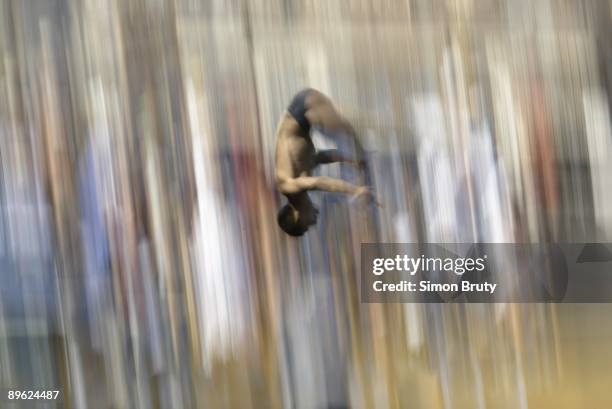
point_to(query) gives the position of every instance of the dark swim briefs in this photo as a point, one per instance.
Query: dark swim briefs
(297, 108)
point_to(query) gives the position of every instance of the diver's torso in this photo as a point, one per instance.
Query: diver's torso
(296, 153)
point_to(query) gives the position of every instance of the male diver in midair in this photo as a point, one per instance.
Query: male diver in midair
(296, 157)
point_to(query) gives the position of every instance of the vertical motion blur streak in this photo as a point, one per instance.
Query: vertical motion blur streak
(140, 258)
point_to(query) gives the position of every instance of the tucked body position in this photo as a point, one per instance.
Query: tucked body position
(296, 157)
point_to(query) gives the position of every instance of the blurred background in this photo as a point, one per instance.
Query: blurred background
(141, 264)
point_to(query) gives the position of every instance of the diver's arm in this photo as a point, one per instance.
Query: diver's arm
(333, 156)
(322, 183)
(325, 184)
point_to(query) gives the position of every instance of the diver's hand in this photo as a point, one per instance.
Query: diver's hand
(365, 193)
(361, 164)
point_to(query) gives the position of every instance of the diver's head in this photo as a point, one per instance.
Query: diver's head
(295, 221)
